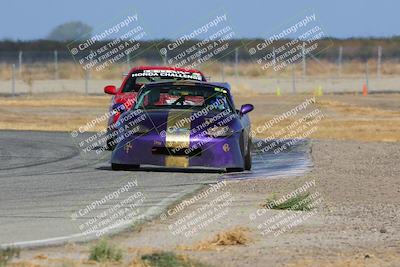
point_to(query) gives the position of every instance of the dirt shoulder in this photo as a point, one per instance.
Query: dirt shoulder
(356, 222)
(346, 117)
(355, 152)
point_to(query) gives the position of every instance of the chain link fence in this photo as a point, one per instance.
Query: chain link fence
(30, 72)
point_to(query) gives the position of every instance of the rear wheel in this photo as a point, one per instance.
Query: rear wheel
(110, 144)
(123, 167)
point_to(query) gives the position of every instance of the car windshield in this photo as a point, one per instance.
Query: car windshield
(183, 97)
(142, 77)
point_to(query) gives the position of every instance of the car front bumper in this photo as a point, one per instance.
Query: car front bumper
(151, 149)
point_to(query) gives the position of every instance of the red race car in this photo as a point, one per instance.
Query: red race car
(125, 96)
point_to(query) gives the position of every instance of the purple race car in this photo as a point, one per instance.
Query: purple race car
(184, 124)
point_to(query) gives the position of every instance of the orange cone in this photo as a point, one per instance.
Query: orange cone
(365, 89)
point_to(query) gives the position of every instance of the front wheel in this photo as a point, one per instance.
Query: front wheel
(110, 145)
(234, 169)
(123, 167)
(247, 157)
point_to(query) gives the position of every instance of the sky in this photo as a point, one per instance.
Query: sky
(29, 20)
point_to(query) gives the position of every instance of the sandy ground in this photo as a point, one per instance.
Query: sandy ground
(261, 84)
(346, 117)
(355, 224)
(356, 173)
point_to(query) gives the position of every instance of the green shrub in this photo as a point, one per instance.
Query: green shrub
(104, 251)
(299, 202)
(168, 259)
(7, 254)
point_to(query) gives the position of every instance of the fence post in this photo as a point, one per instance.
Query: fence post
(303, 49)
(378, 69)
(86, 82)
(293, 79)
(13, 79)
(20, 64)
(273, 56)
(56, 65)
(222, 72)
(366, 74)
(340, 61)
(165, 58)
(236, 62)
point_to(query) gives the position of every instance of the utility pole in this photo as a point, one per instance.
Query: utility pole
(222, 71)
(340, 61)
(13, 79)
(274, 56)
(304, 59)
(20, 64)
(236, 62)
(165, 59)
(366, 74)
(293, 79)
(56, 65)
(378, 69)
(87, 74)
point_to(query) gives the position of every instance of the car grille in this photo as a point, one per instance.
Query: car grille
(169, 151)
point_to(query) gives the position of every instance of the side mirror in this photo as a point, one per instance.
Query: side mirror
(110, 89)
(246, 108)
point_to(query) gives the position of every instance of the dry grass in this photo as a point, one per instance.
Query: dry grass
(71, 70)
(232, 237)
(368, 120)
(63, 263)
(165, 259)
(24, 264)
(342, 120)
(356, 110)
(40, 257)
(358, 123)
(56, 101)
(363, 129)
(51, 113)
(357, 260)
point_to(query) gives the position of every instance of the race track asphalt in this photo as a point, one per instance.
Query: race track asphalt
(45, 182)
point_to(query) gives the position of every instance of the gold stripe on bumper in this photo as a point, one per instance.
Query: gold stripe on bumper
(178, 137)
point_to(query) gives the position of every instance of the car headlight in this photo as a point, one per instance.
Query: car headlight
(221, 131)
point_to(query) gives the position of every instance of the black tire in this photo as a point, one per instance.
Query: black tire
(123, 167)
(244, 159)
(234, 169)
(109, 145)
(247, 157)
